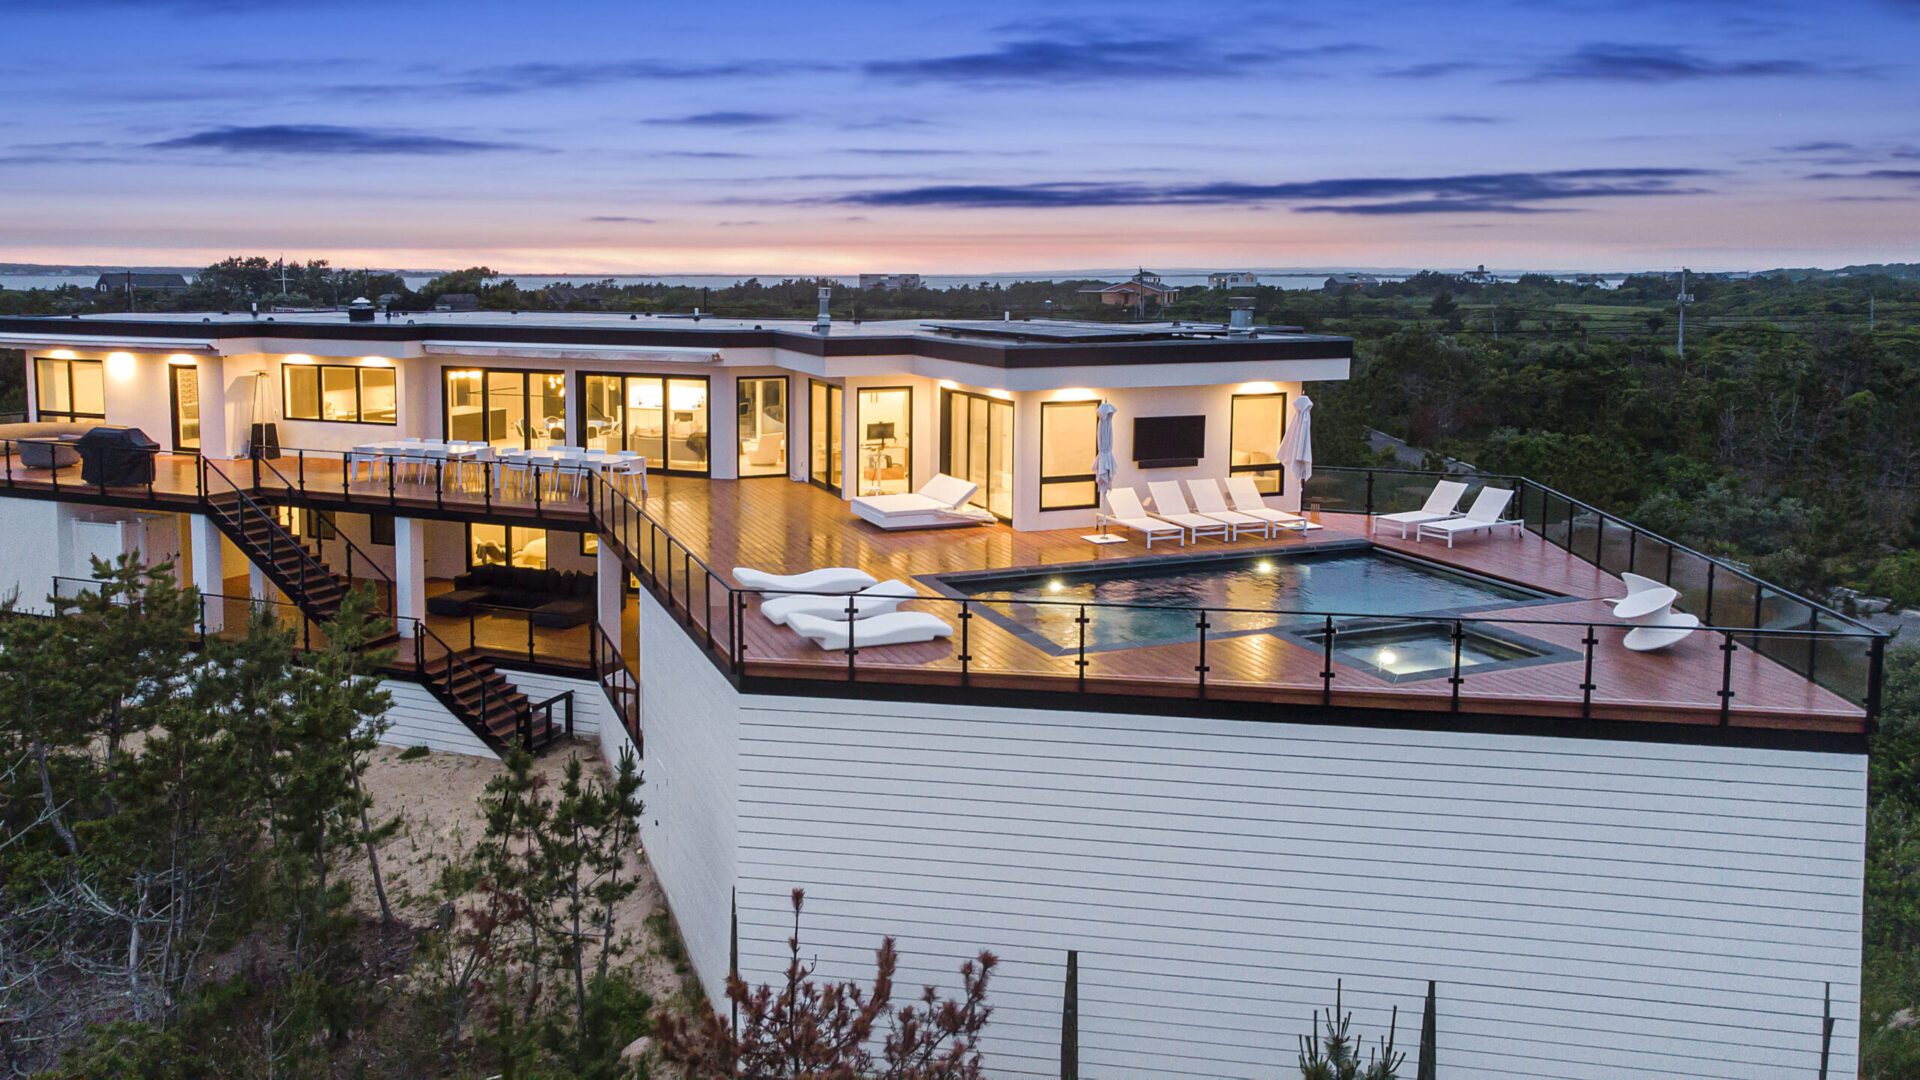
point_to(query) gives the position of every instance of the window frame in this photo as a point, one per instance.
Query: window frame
(948, 396)
(42, 413)
(666, 406)
(320, 394)
(379, 525)
(526, 397)
(1040, 460)
(507, 534)
(1275, 467)
(786, 400)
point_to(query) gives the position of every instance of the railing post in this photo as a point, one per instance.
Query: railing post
(1726, 678)
(1586, 685)
(347, 467)
(1876, 669)
(538, 483)
(486, 484)
(1369, 493)
(530, 638)
(1326, 663)
(1707, 616)
(1200, 669)
(966, 652)
(1459, 634)
(390, 492)
(1080, 665)
(439, 475)
(853, 620)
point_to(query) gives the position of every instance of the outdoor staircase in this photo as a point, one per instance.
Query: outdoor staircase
(473, 689)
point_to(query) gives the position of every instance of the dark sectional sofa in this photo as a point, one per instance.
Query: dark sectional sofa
(551, 598)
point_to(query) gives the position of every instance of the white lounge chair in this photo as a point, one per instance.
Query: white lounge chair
(1169, 504)
(1208, 502)
(940, 502)
(1123, 508)
(867, 603)
(894, 628)
(1661, 630)
(1636, 584)
(832, 579)
(1442, 503)
(1482, 516)
(1248, 500)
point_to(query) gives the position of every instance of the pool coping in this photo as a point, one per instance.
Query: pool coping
(942, 584)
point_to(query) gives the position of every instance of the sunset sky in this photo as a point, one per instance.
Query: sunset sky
(958, 138)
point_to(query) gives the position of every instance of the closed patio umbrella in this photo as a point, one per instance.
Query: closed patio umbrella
(1103, 451)
(1296, 447)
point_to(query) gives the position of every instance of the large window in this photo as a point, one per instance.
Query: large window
(1067, 430)
(762, 405)
(1258, 423)
(339, 393)
(506, 545)
(661, 417)
(886, 440)
(507, 409)
(977, 445)
(69, 389)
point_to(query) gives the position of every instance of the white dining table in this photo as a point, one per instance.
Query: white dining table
(563, 459)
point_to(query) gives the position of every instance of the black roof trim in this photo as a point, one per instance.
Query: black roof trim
(1001, 354)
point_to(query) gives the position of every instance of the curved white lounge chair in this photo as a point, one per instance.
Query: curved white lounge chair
(1636, 584)
(868, 603)
(894, 628)
(1663, 629)
(1248, 500)
(1208, 502)
(1170, 504)
(1123, 508)
(1442, 503)
(832, 579)
(940, 502)
(1482, 516)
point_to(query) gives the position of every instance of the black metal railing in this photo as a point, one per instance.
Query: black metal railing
(212, 618)
(481, 483)
(540, 729)
(512, 634)
(619, 682)
(228, 502)
(368, 568)
(14, 471)
(1584, 667)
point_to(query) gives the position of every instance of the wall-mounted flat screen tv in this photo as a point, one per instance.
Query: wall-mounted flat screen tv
(1167, 441)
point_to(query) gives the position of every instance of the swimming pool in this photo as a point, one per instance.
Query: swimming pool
(1042, 605)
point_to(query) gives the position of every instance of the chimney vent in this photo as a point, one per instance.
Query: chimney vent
(1240, 316)
(823, 323)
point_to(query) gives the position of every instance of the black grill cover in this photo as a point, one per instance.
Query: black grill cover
(116, 456)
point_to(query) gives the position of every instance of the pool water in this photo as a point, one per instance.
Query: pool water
(1350, 584)
(1426, 650)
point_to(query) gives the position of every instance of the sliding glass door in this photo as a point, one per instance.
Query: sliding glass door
(976, 444)
(660, 416)
(826, 412)
(508, 409)
(762, 410)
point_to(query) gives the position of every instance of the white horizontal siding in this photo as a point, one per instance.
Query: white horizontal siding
(690, 827)
(1589, 909)
(416, 718)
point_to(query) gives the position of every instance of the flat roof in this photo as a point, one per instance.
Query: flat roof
(1038, 343)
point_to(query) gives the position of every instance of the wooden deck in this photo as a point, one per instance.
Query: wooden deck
(779, 526)
(788, 528)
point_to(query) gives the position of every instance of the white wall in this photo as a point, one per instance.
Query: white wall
(689, 828)
(416, 718)
(1590, 909)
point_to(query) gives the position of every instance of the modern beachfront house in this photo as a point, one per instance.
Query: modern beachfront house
(1220, 773)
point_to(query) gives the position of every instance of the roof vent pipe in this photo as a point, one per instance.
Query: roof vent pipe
(1240, 316)
(823, 323)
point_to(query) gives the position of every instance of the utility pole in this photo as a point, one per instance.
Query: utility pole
(1683, 300)
(1870, 299)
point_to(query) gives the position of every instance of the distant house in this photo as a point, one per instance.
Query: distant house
(1340, 282)
(1232, 279)
(890, 282)
(457, 301)
(1478, 276)
(1138, 291)
(131, 279)
(578, 296)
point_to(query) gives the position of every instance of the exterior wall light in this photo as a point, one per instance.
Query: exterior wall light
(120, 365)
